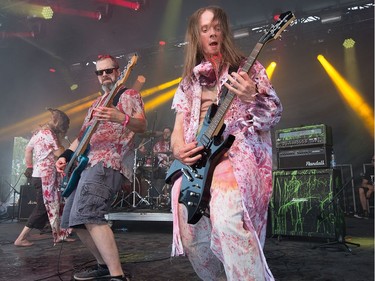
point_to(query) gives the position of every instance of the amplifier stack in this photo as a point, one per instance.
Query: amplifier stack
(304, 185)
(304, 147)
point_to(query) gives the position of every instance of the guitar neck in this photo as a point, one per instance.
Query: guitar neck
(91, 129)
(217, 121)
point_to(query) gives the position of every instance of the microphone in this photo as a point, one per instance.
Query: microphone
(66, 137)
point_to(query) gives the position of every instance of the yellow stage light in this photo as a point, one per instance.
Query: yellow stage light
(160, 87)
(159, 100)
(47, 12)
(350, 95)
(26, 126)
(348, 43)
(270, 69)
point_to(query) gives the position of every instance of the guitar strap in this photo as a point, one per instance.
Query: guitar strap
(117, 96)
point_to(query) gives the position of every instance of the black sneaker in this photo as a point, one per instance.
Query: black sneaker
(98, 271)
(126, 277)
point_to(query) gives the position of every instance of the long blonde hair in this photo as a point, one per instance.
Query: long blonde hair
(194, 53)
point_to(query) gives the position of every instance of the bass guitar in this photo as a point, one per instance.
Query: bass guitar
(79, 159)
(196, 179)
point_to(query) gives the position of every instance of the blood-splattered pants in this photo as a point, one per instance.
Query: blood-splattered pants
(221, 247)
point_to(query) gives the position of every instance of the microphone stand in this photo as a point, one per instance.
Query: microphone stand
(15, 191)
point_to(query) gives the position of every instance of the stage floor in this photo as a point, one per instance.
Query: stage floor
(144, 240)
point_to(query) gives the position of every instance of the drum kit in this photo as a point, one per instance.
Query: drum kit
(148, 189)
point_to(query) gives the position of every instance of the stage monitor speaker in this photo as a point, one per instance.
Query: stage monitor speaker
(27, 201)
(306, 203)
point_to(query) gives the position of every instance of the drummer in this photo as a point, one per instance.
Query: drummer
(162, 150)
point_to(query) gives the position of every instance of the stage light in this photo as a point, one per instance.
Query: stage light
(52, 70)
(73, 109)
(330, 18)
(270, 69)
(73, 87)
(348, 43)
(160, 99)
(153, 90)
(47, 12)
(350, 95)
(133, 5)
(162, 43)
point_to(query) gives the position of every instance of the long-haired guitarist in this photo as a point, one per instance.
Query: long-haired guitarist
(227, 243)
(109, 130)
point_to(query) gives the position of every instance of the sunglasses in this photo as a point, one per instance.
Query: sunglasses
(107, 71)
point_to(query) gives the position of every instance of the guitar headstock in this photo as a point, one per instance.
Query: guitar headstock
(127, 69)
(276, 29)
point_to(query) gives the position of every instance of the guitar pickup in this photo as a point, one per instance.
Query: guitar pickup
(187, 174)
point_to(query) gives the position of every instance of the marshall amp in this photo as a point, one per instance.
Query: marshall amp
(27, 201)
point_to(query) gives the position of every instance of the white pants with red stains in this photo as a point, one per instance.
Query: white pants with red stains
(220, 247)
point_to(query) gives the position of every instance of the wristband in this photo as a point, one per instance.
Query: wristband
(67, 154)
(126, 121)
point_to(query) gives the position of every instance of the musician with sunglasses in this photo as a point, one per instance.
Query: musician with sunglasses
(227, 243)
(109, 167)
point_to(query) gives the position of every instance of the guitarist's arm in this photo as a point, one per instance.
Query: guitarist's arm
(187, 154)
(136, 123)
(62, 161)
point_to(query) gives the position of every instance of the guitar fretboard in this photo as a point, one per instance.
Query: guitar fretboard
(218, 119)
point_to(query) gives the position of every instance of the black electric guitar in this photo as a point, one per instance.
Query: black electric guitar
(79, 160)
(196, 179)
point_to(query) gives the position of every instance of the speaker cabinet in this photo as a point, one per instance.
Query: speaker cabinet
(305, 203)
(27, 201)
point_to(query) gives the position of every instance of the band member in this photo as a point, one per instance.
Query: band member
(110, 165)
(163, 153)
(229, 243)
(162, 150)
(366, 190)
(40, 155)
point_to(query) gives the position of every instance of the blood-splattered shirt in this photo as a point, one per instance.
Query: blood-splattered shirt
(43, 142)
(112, 142)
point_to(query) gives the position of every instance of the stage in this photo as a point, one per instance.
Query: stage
(144, 239)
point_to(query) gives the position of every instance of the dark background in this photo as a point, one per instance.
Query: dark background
(307, 93)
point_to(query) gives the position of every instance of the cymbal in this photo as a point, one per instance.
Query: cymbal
(150, 134)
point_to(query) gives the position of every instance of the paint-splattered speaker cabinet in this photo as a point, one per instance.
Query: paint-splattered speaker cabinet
(306, 203)
(27, 201)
